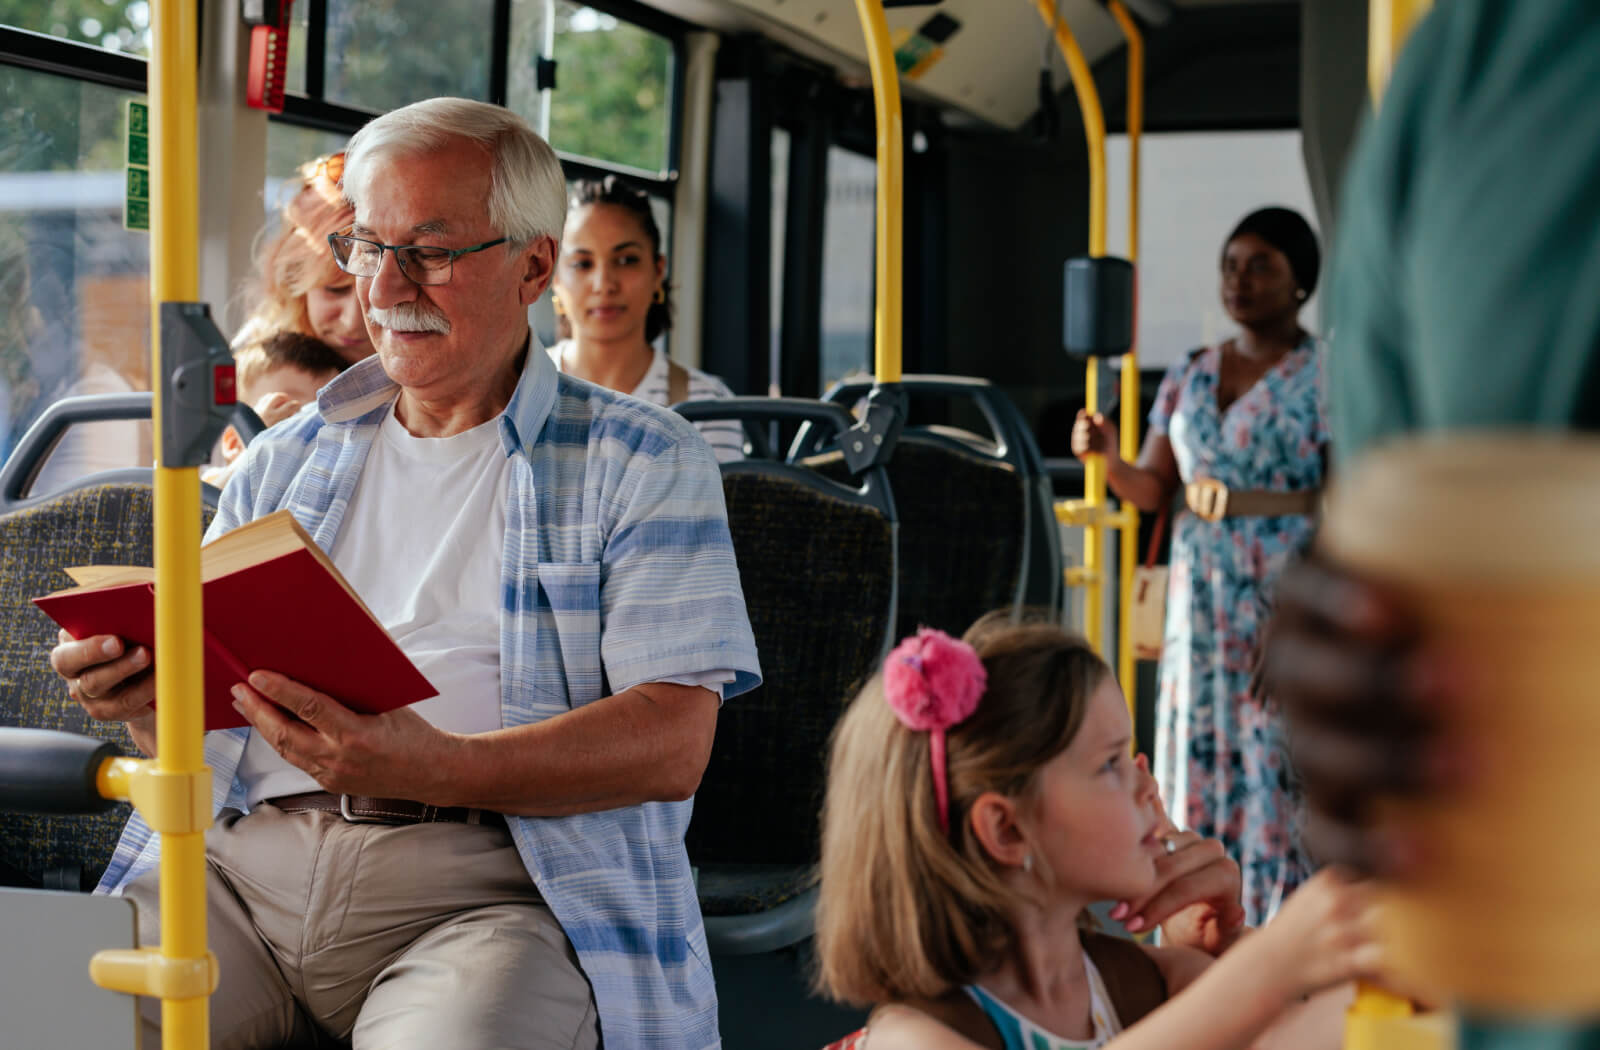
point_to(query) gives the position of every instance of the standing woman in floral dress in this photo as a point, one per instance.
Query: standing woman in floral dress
(1241, 429)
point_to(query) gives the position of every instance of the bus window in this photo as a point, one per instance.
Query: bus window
(1195, 187)
(390, 53)
(614, 83)
(294, 74)
(848, 233)
(74, 285)
(116, 25)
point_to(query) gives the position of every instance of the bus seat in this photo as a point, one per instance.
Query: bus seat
(101, 519)
(978, 527)
(816, 561)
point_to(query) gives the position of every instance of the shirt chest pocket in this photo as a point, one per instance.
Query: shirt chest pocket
(568, 641)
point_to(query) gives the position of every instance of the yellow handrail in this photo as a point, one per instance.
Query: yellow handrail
(1094, 471)
(1376, 1017)
(1130, 360)
(175, 277)
(891, 189)
(1389, 22)
(174, 791)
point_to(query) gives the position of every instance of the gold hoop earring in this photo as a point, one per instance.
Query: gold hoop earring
(557, 305)
(661, 293)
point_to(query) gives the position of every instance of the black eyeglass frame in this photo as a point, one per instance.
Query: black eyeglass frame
(401, 253)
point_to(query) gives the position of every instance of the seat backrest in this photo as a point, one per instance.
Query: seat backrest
(100, 524)
(978, 529)
(963, 530)
(816, 562)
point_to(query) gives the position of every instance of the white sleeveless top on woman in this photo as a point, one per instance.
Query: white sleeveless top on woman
(726, 439)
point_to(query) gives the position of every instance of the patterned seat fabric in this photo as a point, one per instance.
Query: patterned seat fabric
(745, 889)
(817, 584)
(99, 525)
(961, 528)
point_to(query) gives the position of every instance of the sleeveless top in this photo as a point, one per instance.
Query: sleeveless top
(1019, 1033)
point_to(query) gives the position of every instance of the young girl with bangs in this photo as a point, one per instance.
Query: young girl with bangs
(980, 797)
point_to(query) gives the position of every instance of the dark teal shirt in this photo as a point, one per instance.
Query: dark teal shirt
(1466, 279)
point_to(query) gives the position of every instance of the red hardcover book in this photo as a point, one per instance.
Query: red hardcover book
(273, 602)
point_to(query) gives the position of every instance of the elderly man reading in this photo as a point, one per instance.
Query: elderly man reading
(502, 865)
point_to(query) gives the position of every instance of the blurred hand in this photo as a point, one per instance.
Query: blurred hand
(276, 406)
(1361, 696)
(1093, 435)
(1326, 933)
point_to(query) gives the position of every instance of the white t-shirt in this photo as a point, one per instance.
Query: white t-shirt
(422, 544)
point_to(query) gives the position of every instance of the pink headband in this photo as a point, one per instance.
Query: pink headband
(933, 682)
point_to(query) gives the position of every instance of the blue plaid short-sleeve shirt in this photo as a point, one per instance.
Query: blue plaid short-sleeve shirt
(618, 569)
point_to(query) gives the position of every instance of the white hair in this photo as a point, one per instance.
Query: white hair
(527, 191)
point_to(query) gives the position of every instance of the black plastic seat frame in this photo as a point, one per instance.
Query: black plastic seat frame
(1039, 580)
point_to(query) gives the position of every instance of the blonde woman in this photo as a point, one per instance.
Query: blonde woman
(298, 287)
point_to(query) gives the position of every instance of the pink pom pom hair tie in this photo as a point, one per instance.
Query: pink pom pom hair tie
(932, 682)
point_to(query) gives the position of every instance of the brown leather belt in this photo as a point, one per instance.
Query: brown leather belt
(1211, 500)
(359, 809)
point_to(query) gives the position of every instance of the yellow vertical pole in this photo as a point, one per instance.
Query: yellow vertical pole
(1389, 22)
(1130, 360)
(1371, 1022)
(891, 190)
(175, 277)
(1094, 470)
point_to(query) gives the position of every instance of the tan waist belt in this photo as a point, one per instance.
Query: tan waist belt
(1211, 500)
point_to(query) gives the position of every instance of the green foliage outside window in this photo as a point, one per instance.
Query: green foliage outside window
(612, 101)
(116, 25)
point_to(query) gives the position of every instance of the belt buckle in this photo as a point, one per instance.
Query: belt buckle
(1208, 498)
(356, 818)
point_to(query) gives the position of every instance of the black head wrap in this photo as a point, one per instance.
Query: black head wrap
(1286, 231)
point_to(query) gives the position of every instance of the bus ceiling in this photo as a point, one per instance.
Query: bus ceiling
(964, 54)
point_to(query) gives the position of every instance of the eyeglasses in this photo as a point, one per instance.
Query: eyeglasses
(423, 264)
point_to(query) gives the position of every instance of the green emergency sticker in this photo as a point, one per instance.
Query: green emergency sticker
(136, 202)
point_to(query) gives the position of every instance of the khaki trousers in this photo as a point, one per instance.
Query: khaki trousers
(390, 937)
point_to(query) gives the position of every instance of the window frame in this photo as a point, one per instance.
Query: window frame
(43, 53)
(313, 110)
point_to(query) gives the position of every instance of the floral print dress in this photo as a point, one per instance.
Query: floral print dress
(1220, 756)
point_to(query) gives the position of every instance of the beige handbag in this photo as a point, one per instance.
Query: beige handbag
(1147, 623)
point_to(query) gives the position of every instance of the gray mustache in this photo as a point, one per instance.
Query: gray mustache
(409, 317)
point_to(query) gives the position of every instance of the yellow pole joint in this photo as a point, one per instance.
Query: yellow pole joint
(1080, 576)
(1080, 513)
(173, 803)
(887, 352)
(145, 971)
